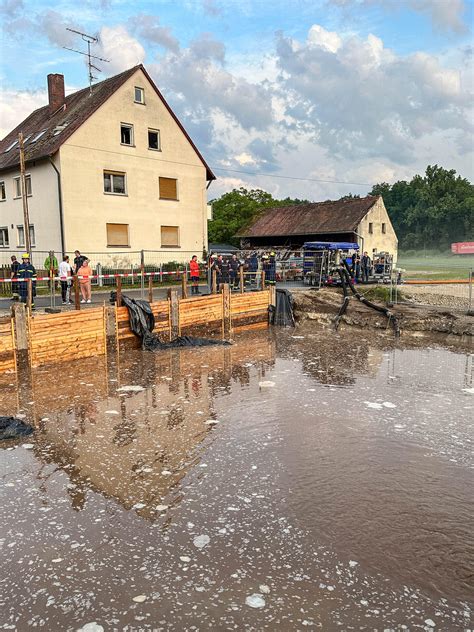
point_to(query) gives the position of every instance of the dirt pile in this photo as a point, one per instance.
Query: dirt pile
(323, 305)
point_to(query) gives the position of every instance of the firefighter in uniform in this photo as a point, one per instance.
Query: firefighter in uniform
(27, 271)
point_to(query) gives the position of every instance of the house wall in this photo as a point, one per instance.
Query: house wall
(43, 209)
(96, 146)
(377, 240)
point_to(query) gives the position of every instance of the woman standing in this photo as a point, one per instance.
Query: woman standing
(84, 273)
(65, 274)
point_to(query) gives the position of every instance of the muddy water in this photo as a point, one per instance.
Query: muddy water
(327, 480)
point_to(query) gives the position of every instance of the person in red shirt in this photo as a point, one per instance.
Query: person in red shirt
(194, 274)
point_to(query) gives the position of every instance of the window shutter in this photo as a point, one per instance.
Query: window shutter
(117, 235)
(168, 189)
(170, 236)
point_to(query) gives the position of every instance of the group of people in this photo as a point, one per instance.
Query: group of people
(25, 272)
(228, 268)
(360, 267)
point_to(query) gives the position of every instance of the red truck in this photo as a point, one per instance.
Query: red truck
(463, 248)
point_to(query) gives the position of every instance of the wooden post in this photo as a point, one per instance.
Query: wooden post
(150, 289)
(174, 312)
(77, 298)
(110, 317)
(119, 291)
(226, 314)
(263, 280)
(184, 286)
(214, 282)
(24, 195)
(242, 282)
(29, 287)
(22, 343)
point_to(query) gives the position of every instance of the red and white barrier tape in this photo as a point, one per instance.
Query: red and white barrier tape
(100, 276)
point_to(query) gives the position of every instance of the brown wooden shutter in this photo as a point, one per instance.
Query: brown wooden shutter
(117, 235)
(168, 189)
(170, 236)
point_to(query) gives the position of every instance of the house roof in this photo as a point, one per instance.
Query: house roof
(341, 216)
(78, 107)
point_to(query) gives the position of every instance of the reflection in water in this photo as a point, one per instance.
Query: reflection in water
(334, 480)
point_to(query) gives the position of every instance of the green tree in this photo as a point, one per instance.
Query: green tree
(430, 211)
(235, 210)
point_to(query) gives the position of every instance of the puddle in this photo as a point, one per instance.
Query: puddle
(286, 482)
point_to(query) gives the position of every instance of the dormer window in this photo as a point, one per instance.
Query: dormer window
(139, 95)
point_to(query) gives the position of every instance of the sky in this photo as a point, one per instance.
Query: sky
(310, 99)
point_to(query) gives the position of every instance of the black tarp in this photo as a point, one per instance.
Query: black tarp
(282, 314)
(12, 428)
(142, 323)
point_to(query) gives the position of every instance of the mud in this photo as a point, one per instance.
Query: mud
(296, 480)
(322, 306)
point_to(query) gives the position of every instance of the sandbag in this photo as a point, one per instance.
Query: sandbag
(12, 428)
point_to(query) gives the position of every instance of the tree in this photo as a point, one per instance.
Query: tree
(235, 210)
(430, 211)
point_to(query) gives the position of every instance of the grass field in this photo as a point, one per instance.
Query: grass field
(436, 267)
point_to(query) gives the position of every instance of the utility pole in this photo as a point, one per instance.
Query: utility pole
(24, 197)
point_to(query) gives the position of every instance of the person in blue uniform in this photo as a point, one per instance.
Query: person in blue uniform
(26, 271)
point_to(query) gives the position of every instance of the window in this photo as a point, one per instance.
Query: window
(15, 142)
(17, 182)
(114, 182)
(126, 134)
(3, 193)
(168, 189)
(371, 228)
(21, 236)
(4, 243)
(154, 139)
(117, 235)
(38, 136)
(170, 236)
(384, 230)
(139, 95)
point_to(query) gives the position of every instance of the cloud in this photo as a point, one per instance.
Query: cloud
(211, 8)
(16, 105)
(206, 47)
(54, 26)
(11, 8)
(121, 49)
(148, 27)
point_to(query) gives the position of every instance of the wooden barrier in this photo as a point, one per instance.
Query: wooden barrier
(52, 338)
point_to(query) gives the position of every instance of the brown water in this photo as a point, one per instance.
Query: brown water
(337, 484)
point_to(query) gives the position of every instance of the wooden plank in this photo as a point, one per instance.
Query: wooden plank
(174, 312)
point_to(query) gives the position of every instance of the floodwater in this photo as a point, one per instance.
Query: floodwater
(296, 480)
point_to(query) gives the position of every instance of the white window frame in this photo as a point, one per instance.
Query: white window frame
(142, 93)
(17, 185)
(11, 146)
(112, 174)
(157, 132)
(132, 135)
(3, 191)
(38, 136)
(3, 244)
(32, 235)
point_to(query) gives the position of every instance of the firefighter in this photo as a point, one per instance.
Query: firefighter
(27, 271)
(272, 268)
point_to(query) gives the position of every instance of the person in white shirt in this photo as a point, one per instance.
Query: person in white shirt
(65, 274)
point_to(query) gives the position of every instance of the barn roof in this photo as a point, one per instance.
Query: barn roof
(339, 216)
(59, 126)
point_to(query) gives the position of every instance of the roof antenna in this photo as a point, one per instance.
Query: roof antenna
(90, 39)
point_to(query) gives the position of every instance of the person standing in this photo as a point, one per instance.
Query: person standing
(27, 271)
(357, 269)
(84, 273)
(51, 266)
(78, 261)
(365, 265)
(272, 268)
(65, 275)
(234, 265)
(15, 265)
(253, 266)
(194, 274)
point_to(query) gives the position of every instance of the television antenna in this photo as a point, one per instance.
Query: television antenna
(89, 39)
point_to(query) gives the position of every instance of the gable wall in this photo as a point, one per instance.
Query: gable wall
(96, 147)
(387, 242)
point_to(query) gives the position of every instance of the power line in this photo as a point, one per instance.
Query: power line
(274, 175)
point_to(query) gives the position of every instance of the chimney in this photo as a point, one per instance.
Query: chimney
(56, 93)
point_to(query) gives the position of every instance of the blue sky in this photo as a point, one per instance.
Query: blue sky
(343, 90)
